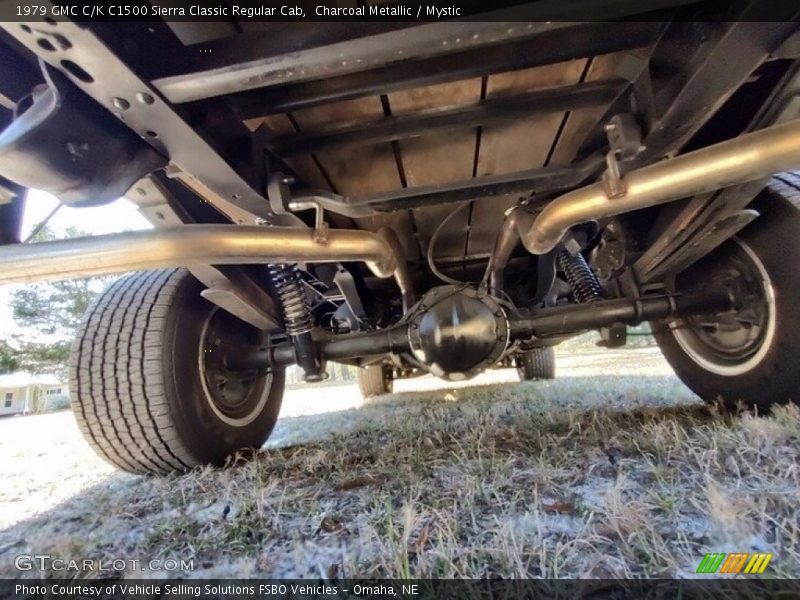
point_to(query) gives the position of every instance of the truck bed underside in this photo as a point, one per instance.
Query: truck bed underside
(446, 157)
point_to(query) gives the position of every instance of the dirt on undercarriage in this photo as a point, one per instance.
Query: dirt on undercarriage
(591, 475)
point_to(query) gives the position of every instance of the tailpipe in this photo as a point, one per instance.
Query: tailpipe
(746, 158)
(194, 244)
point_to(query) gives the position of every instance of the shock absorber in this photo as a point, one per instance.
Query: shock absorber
(298, 321)
(296, 314)
(580, 276)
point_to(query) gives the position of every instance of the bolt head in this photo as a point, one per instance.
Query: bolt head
(145, 98)
(120, 103)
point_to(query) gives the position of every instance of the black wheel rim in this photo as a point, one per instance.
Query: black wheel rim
(236, 397)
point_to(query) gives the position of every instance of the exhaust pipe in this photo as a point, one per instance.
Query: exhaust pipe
(401, 273)
(745, 158)
(504, 245)
(193, 244)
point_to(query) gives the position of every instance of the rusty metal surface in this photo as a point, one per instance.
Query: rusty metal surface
(516, 146)
(437, 158)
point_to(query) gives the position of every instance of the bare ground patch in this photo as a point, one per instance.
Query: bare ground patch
(589, 476)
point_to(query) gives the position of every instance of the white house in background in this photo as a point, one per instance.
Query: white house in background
(22, 393)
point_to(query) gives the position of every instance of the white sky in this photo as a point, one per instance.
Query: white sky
(120, 215)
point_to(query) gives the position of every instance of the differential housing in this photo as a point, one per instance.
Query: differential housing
(456, 331)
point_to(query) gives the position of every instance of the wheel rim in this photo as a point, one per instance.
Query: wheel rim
(734, 342)
(236, 397)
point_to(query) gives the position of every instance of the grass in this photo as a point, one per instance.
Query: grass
(583, 477)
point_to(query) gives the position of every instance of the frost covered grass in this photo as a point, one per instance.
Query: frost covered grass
(597, 476)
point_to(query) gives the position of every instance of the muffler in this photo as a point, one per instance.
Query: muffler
(746, 158)
(196, 244)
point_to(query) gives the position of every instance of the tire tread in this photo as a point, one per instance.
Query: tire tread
(117, 375)
(537, 363)
(372, 381)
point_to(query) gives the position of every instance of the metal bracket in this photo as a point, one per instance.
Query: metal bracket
(278, 193)
(612, 180)
(231, 289)
(282, 203)
(344, 280)
(625, 142)
(613, 336)
(321, 228)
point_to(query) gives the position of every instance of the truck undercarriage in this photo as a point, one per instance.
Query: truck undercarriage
(435, 198)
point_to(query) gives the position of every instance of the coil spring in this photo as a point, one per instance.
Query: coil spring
(296, 313)
(580, 276)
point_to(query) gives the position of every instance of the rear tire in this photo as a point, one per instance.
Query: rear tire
(374, 380)
(149, 389)
(750, 356)
(537, 363)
